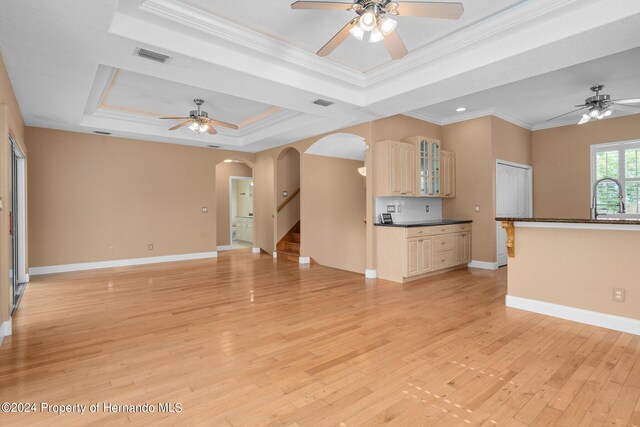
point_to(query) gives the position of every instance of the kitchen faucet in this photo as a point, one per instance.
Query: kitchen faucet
(594, 201)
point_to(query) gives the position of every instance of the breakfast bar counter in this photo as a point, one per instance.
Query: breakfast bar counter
(580, 269)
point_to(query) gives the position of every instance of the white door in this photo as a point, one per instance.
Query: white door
(513, 199)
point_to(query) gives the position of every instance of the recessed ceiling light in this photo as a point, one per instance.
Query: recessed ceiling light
(461, 109)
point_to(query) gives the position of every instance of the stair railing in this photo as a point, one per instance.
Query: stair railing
(289, 199)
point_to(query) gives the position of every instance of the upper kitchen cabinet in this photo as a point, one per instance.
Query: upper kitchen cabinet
(436, 169)
(395, 168)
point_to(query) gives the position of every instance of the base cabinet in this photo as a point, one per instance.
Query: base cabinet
(418, 256)
(410, 253)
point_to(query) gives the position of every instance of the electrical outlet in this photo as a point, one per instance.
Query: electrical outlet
(477, 208)
(618, 294)
(427, 208)
(391, 208)
(150, 246)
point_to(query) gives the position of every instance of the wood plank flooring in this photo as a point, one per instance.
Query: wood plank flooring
(248, 341)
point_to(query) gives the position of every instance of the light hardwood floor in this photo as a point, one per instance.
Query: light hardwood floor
(245, 340)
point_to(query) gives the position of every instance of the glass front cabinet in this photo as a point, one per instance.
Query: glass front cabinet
(436, 168)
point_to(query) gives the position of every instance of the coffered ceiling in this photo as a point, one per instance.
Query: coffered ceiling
(73, 64)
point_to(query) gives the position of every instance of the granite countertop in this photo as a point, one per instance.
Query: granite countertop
(574, 220)
(431, 223)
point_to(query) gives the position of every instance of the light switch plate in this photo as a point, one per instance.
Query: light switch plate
(205, 209)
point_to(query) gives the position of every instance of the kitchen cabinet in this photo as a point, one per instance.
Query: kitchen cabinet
(395, 168)
(435, 168)
(418, 256)
(447, 174)
(409, 253)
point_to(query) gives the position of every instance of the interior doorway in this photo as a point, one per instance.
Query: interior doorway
(17, 226)
(241, 211)
(514, 199)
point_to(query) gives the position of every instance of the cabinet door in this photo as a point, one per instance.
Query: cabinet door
(464, 248)
(434, 164)
(448, 173)
(396, 167)
(425, 255)
(413, 257)
(409, 170)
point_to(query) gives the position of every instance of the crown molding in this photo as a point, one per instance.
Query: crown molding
(474, 33)
(423, 116)
(176, 11)
(463, 117)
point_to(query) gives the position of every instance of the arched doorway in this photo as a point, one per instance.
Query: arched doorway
(235, 228)
(287, 215)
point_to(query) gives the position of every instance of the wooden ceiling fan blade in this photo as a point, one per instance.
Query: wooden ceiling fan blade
(181, 125)
(337, 39)
(626, 108)
(325, 5)
(431, 9)
(395, 45)
(566, 114)
(223, 124)
(174, 118)
(211, 130)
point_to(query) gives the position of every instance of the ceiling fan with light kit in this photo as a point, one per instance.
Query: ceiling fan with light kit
(199, 121)
(602, 106)
(376, 18)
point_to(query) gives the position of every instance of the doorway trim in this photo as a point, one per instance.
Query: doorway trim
(241, 178)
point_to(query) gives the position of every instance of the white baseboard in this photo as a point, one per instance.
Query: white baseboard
(26, 278)
(5, 330)
(275, 254)
(483, 265)
(370, 274)
(304, 260)
(603, 320)
(255, 250)
(224, 248)
(34, 271)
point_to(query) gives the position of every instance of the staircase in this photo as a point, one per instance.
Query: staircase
(288, 247)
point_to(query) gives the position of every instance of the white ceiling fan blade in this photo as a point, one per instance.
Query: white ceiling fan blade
(585, 118)
(337, 39)
(625, 108)
(431, 9)
(326, 5)
(395, 45)
(566, 114)
(627, 101)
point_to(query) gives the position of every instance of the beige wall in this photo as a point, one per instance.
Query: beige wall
(223, 206)
(10, 123)
(478, 144)
(561, 164)
(91, 193)
(556, 266)
(264, 199)
(337, 237)
(471, 140)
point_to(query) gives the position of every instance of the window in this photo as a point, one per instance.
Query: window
(620, 161)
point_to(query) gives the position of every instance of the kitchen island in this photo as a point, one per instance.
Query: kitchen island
(407, 251)
(578, 269)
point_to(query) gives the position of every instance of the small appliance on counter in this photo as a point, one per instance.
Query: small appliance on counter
(386, 218)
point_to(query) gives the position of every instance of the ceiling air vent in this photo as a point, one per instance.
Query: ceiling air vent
(100, 132)
(154, 56)
(323, 102)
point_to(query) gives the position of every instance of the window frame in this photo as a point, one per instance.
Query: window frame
(619, 146)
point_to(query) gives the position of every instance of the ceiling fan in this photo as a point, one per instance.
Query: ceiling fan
(375, 17)
(601, 106)
(199, 121)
